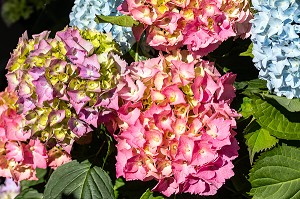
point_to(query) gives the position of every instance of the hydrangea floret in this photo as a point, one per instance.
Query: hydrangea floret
(176, 124)
(64, 86)
(199, 25)
(275, 36)
(83, 15)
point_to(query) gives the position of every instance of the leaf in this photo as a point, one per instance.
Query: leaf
(124, 20)
(259, 140)
(292, 105)
(246, 107)
(149, 195)
(29, 193)
(276, 174)
(80, 181)
(252, 86)
(248, 52)
(274, 121)
(119, 183)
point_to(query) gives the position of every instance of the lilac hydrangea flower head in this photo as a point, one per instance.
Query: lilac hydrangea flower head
(276, 45)
(83, 15)
(65, 83)
(9, 189)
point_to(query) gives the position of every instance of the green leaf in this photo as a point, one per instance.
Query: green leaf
(29, 193)
(276, 174)
(246, 107)
(274, 121)
(259, 140)
(80, 181)
(124, 20)
(149, 195)
(248, 52)
(292, 105)
(251, 87)
(119, 183)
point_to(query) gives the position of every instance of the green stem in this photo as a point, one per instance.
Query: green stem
(136, 56)
(108, 152)
(100, 148)
(230, 189)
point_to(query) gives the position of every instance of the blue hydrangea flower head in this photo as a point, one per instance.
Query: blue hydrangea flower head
(83, 15)
(276, 45)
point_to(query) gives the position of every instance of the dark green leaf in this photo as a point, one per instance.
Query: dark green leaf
(292, 105)
(252, 86)
(29, 193)
(80, 181)
(274, 121)
(276, 175)
(124, 20)
(259, 140)
(248, 53)
(149, 195)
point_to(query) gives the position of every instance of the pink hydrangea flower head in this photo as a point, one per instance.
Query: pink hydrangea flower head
(179, 130)
(200, 25)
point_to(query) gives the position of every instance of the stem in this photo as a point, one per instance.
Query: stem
(108, 152)
(136, 57)
(230, 189)
(252, 120)
(100, 148)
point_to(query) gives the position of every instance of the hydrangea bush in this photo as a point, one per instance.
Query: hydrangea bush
(85, 117)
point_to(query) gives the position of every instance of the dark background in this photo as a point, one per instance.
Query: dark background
(54, 16)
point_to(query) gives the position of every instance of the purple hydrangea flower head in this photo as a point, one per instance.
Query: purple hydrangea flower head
(62, 82)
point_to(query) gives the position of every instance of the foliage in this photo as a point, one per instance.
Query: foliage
(258, 141)
(276, 174)
(15, 10)
(79, 180)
